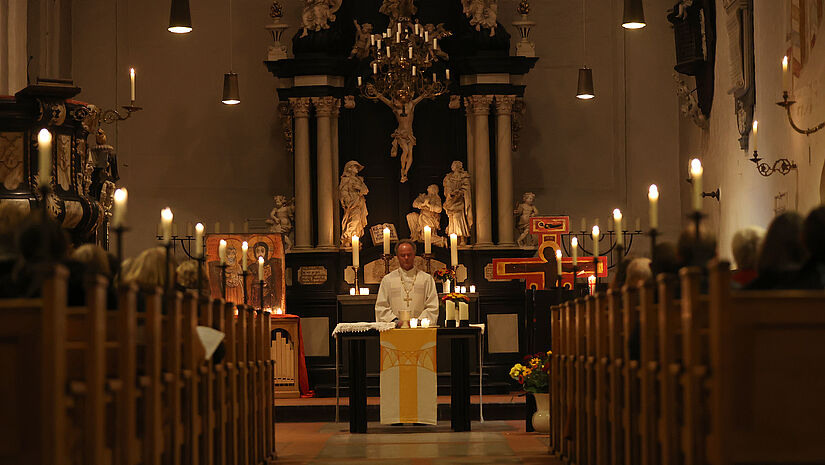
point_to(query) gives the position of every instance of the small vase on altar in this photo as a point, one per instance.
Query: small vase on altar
(446, 286)
(541, 419)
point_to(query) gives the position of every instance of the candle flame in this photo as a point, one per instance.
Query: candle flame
(166, 214)
(199, 228)
(595, 232)
(121, 195)
(653, 192)
(427, 228)
(453, 236)
(617, 214)
(44, 136)
(755, 126)
(785, 63)
(696, 167)
(558, 254)
(261, 259)
(386, 230)
(132, 72)
(244, 246)
(222, 243)
(574, 241)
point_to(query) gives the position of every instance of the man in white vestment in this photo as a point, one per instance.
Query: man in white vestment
(406, 288)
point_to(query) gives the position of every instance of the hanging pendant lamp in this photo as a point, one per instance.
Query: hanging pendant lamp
(634, 15)
(231, 95)
(585, 88)
(180, 22)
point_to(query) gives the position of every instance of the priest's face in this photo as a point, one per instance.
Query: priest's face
(406, 256)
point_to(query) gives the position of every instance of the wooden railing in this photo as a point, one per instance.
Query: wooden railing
(87, 385)
(667, 373)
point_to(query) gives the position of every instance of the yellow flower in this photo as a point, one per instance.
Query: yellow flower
(549, 353)
(516, 370)
(527, 371)
(535, 363)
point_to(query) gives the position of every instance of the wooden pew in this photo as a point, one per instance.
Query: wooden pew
(648, 376)
(696, 366)
(602, 400)
(767, 381)
(670, 373)
(616, 376)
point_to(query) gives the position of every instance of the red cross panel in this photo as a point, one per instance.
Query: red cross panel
(539, 272)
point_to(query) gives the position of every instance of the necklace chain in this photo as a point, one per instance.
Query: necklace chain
(407, 297)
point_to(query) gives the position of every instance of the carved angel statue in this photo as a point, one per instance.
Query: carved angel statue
(482, 14)
(281, 218)
(318, 14)
(524, 211)
(429, 206)
(437, 32)
(403, 136)
(458, 201)
(353, 193)
(688, 104)
(361, 47)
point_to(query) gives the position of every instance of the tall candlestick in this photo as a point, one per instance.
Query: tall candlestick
(653, 197)
(617, 219)
(386, 241)
(696, 174)
(119, 212)
(244, 250)
(558, 262)
(199, 240)
(755, 129)
(222, 251)
(595, 236)
(355, 251)
(44, 147)
(453, 250)
(166, 222)
(428, 240)
(132, 83)
(574, 252)
(786, 75)
(261, 268)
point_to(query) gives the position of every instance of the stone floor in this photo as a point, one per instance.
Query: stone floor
(491, 442)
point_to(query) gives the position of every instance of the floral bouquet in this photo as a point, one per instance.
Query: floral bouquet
(534, 374)
(444, 274)
(455, 297)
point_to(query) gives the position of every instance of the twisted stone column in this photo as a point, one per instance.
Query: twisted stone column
(323, 112)
(504, 167)
(303, 200)
(480, 105)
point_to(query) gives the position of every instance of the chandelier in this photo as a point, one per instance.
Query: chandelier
(403, 64)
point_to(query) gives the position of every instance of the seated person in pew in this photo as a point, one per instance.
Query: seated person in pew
(33, 256)
(406, 289)
(665, 259)
(187, 279)
(745, 248)
(812, 272)
(90, 258)
(696, 251)
(781, 254)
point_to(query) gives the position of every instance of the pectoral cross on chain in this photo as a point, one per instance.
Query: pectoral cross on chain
(408, 299)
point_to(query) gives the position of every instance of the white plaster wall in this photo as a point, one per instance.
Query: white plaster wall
(747, 197)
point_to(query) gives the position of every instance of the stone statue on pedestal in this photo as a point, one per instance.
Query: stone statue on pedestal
(482, 14)
(353, 194)
(361, 47)
(429, 204)
(281, 219)
(524, 211)
(318, 14)
(458, 201)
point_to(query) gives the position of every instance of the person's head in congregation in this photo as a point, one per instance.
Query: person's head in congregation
(638, 271)
(812, 274)
(665, 259)
(745, 248)
(696, 249)
(94, 259)
(148, 270)
(781, 254)
(405, 251)
(187, 276)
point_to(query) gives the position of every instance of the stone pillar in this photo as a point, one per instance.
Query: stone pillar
(504, 167)
(481, 110)
(303, 200)
(470, 139)
(336, 170)
(323, 111)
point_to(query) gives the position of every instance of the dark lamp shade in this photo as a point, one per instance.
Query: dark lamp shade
(634, 15)
(180, 22)
(585, 90)
(231, 96)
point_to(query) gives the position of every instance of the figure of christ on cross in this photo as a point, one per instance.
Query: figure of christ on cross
(403, 135)
(540, 272)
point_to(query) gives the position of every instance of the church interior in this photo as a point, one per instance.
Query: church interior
(412, 232)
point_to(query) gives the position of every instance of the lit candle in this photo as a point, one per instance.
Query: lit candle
(428, 240)
(591, 283)
(453, 250)
(166, 222)
(132, 83)
(574, 249)
(352, 291)
(44, 147)
(617, 219)
(355, 246)
(786, 75)
(199, 240)
(595, 236)
(410, 50)
(653, 198)
(755, 128)
(359, 81)
(365, 291)
(696, 174)
(260, 268)
(425, 322)
(413, 322)
(119, 212)
(222, 251)
(463, 289)
(244, 249)
(558, 262)
(472, 288)
(386, 241)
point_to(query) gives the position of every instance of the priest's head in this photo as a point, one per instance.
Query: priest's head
(405, 251)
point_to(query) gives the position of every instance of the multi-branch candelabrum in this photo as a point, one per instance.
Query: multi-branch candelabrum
(609, 237)
(110, 116)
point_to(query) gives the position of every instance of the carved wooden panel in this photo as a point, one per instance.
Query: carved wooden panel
(11, 159)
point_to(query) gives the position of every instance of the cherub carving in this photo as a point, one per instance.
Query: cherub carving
(524, 211)
(482, 14)
(281, 218)
(361, 47)
(318, 14)
(437, 32)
